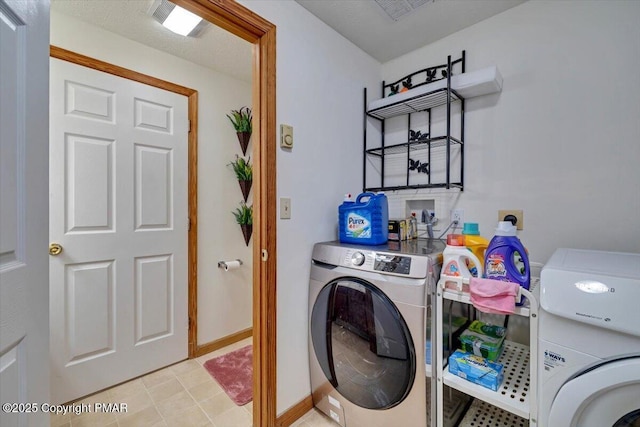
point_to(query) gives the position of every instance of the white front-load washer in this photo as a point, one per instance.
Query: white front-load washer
(589, 340)
(368, 313)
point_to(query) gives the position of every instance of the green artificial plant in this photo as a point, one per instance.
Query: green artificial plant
(244, 214)
(242, 168)
(241, 119)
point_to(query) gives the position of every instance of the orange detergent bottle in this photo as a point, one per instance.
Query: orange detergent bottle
(475, 243)
(455, 259)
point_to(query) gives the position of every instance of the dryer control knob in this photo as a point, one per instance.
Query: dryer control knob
(357, 258)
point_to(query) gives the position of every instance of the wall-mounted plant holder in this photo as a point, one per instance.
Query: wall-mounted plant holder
(244, 174)
(247, 230)
(244, 217)
(245, 187)
(241, 121)
(243, 138)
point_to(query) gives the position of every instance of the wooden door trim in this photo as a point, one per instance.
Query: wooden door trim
(295, 412)
(223, 342)
(192, 113)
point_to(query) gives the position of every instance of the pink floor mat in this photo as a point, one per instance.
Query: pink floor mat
(234, 372)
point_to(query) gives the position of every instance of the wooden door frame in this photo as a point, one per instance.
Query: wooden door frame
(242, 22)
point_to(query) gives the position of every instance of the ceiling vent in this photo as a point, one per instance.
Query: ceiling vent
(399, 8)
(161, 9)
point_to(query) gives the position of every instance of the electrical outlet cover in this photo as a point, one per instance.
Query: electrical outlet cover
(518, 213)
(457, 215)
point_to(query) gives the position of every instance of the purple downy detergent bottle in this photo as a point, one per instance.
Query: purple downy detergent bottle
(506, 258)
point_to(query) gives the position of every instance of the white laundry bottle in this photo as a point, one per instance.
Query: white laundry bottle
(454, 264)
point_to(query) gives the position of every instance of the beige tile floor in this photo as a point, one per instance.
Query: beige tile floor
(181, 395)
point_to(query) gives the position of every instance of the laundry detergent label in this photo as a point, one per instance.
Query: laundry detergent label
(451, 269)
(358, 226)
(495, 266)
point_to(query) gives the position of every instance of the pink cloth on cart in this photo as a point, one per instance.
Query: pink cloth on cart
(493, 296)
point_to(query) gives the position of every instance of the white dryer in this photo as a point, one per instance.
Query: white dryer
(589, 340)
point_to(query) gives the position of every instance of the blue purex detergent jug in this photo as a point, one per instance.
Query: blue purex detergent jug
(365, 221)
(504, 253)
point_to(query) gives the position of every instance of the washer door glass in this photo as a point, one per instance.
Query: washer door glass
(632, 419)
(362, 343)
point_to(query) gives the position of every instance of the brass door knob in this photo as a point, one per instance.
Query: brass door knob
(55, 249)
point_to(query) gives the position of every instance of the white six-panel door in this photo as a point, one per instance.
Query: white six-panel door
(118, 198)
(24, 284)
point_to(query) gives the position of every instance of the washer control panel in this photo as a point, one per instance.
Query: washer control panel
(377, 261)
(392, 263)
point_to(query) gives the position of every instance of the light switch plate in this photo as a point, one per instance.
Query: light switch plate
(286, 136)
(285, 208)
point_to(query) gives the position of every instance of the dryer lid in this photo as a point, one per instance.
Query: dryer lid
(606, 396)
(600, 288)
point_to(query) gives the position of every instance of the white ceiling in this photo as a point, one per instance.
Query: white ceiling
(215, 48)
(372, 30)
(363, 22)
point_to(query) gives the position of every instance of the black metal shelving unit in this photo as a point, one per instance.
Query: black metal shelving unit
(420, 103)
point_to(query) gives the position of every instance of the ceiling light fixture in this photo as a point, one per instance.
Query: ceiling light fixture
(177, 19)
